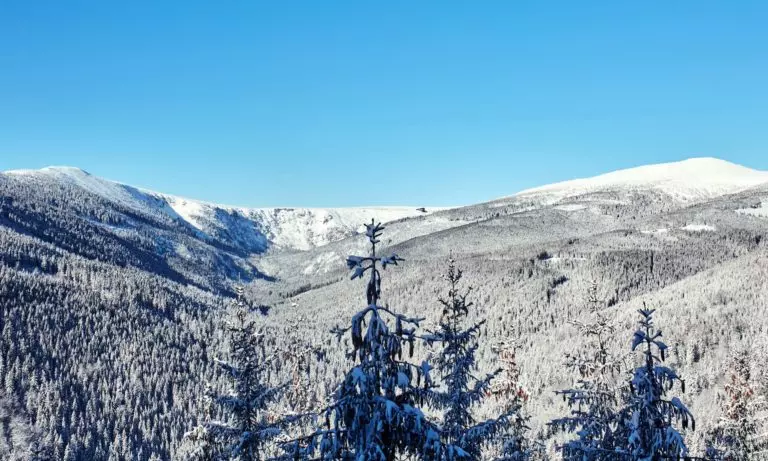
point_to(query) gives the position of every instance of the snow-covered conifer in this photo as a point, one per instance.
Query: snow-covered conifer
(250, 426)
(740, 434)
(594, 401)
(456, 365)
(39, 451)
(199, 443)
(512, 444)
(374, 413)
(301, 396)
(647, 429)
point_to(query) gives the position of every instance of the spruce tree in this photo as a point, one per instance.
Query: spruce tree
(39, 451)
(199, 444)
(740, 434)
(512, 443)
(301, 396)
(250, 426)
(594, 400)
(647, 428)
(456, 365)
(374, 414)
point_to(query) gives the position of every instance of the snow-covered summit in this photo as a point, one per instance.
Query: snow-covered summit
(290, 228)
(687, 180)
(78, 177)
(52, 170)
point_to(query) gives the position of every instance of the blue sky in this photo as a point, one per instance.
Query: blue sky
(400, 102)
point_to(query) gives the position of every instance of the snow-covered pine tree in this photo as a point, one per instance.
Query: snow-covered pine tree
(250, 426)
(301, 396)
(199, 444)
(374, 413)
(457, 366)
(512, 443)
(594, 401)
(40, 452)
(647, 429)
(740, 434)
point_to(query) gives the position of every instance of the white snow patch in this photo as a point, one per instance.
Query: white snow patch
(557, 259)
(189, 210)
(182, 251)
(698, 228)
(571, 207)
(305, 228)
(662, 230)
(323, 263)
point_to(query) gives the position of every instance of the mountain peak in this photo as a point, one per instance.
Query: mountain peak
(54, 169)
(690, 179)
(70, 170)
(708, 165)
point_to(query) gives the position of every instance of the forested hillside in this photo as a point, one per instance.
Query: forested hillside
(114, 311)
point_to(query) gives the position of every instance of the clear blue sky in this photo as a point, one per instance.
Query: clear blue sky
(325, 103)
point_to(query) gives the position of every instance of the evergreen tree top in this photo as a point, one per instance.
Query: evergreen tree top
(650, 416)
(359, 265)
(374, 413)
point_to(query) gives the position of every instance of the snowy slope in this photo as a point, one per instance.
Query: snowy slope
(77, 177)
(288, 228)
(304, 228)
(688, 181)
(256, 229)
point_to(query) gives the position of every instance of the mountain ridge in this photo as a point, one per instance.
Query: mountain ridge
(292, 228)
(303, 228)
(705, 169)
(73, 171)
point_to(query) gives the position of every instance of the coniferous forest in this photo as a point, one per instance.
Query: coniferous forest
(127, 336)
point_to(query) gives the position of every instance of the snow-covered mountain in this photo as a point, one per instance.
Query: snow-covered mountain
(94, 272)
(254, 228)
(283, 231)
(257, 229)
(688, 181)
